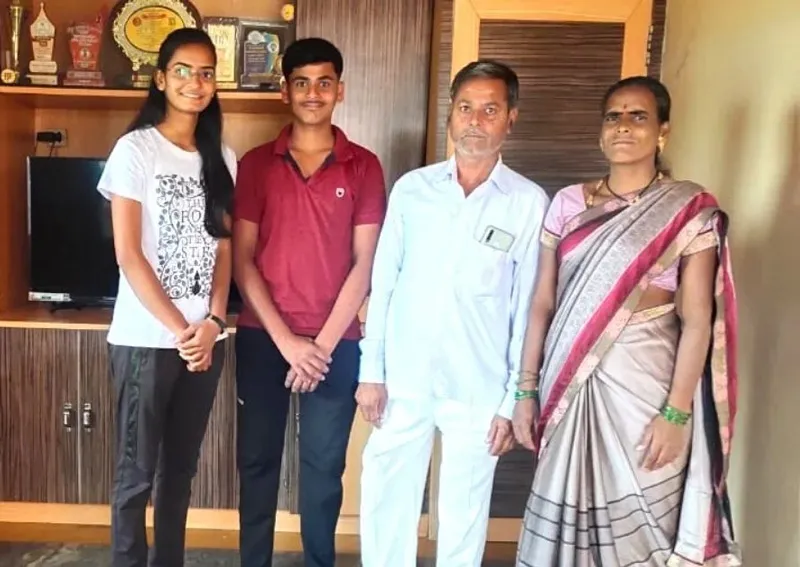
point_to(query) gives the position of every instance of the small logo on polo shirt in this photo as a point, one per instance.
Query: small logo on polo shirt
(340, 192)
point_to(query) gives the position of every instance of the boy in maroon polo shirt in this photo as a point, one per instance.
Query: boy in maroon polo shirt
(308, 210)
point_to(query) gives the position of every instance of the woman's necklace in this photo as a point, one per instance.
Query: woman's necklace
(637, 194)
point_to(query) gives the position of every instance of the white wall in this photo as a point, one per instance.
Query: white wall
(733, 69)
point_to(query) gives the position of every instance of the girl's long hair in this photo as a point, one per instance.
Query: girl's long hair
(216, 178)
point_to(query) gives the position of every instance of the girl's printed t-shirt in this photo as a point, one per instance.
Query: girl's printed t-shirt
(166, 180)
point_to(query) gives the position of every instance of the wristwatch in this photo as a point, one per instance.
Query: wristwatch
(218, 321)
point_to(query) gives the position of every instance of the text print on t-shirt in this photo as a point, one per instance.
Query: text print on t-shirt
(186, 251)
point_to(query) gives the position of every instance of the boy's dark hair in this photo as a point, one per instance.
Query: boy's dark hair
(309, 51)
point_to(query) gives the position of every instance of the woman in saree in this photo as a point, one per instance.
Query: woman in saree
(628, 388)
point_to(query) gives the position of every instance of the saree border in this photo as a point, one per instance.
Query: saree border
(722, 560)
(577, 228)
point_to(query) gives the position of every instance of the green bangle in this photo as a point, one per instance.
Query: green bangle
(675, 416)
(520, 395)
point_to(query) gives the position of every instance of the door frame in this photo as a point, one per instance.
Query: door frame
(636, 15)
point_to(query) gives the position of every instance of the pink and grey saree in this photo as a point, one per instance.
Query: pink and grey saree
(606, 374)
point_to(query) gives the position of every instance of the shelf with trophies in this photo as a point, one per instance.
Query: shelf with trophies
(78, 54)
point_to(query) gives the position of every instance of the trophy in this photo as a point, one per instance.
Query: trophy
(10, 72)
(85, 40)
(138, 27)
(224, 33)
(263, 44)
(43, 70)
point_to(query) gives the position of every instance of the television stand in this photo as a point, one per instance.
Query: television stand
(78, 306)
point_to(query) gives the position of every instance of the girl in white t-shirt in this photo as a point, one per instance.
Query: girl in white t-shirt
(170, 181)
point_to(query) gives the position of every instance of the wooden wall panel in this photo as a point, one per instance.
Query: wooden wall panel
(442, 51)
(16, 123)
(38, 375)
(564, 69)
(659, 21)
(240, 131)
(386, 49)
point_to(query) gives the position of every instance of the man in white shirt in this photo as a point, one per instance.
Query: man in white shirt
(451, 283)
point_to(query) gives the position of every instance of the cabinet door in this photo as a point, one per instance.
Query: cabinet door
(38, 433)
(96, 411)
(217, 482)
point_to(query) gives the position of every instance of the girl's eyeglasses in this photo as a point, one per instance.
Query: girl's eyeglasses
(184, 73)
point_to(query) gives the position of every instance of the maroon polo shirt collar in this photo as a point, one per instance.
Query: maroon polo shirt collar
(342, 150)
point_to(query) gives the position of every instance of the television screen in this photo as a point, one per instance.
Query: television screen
(70, 235)
(69, 230)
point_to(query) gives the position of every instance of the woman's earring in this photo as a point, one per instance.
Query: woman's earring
(661, 144)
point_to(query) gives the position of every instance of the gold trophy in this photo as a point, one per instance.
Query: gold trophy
(10, 73)
(43, 70)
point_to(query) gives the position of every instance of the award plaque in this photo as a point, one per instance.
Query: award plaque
(42, 69)
(262, 46)
(140, 26)
(224, 33)
(85, 39)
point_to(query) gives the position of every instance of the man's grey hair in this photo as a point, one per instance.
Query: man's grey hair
(488, 69)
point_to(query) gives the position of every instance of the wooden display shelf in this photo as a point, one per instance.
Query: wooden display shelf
(69, 98)
(38, 316)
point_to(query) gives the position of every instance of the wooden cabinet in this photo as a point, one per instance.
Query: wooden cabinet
(57, 410)
(38, 423)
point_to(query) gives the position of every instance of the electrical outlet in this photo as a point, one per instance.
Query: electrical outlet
(47, 137)
(63, 141)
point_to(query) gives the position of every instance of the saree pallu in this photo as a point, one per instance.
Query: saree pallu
(606, 374)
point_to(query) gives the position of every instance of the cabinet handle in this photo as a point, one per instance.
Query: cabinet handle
(68, 417)
(87, 416)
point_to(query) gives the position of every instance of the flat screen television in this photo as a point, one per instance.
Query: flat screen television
(70, 237)
(71, 243)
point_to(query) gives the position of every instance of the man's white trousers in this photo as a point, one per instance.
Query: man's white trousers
(395, 466)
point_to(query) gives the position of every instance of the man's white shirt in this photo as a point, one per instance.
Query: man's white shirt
(451, 285)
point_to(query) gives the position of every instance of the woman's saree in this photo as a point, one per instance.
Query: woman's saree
(606, 374)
